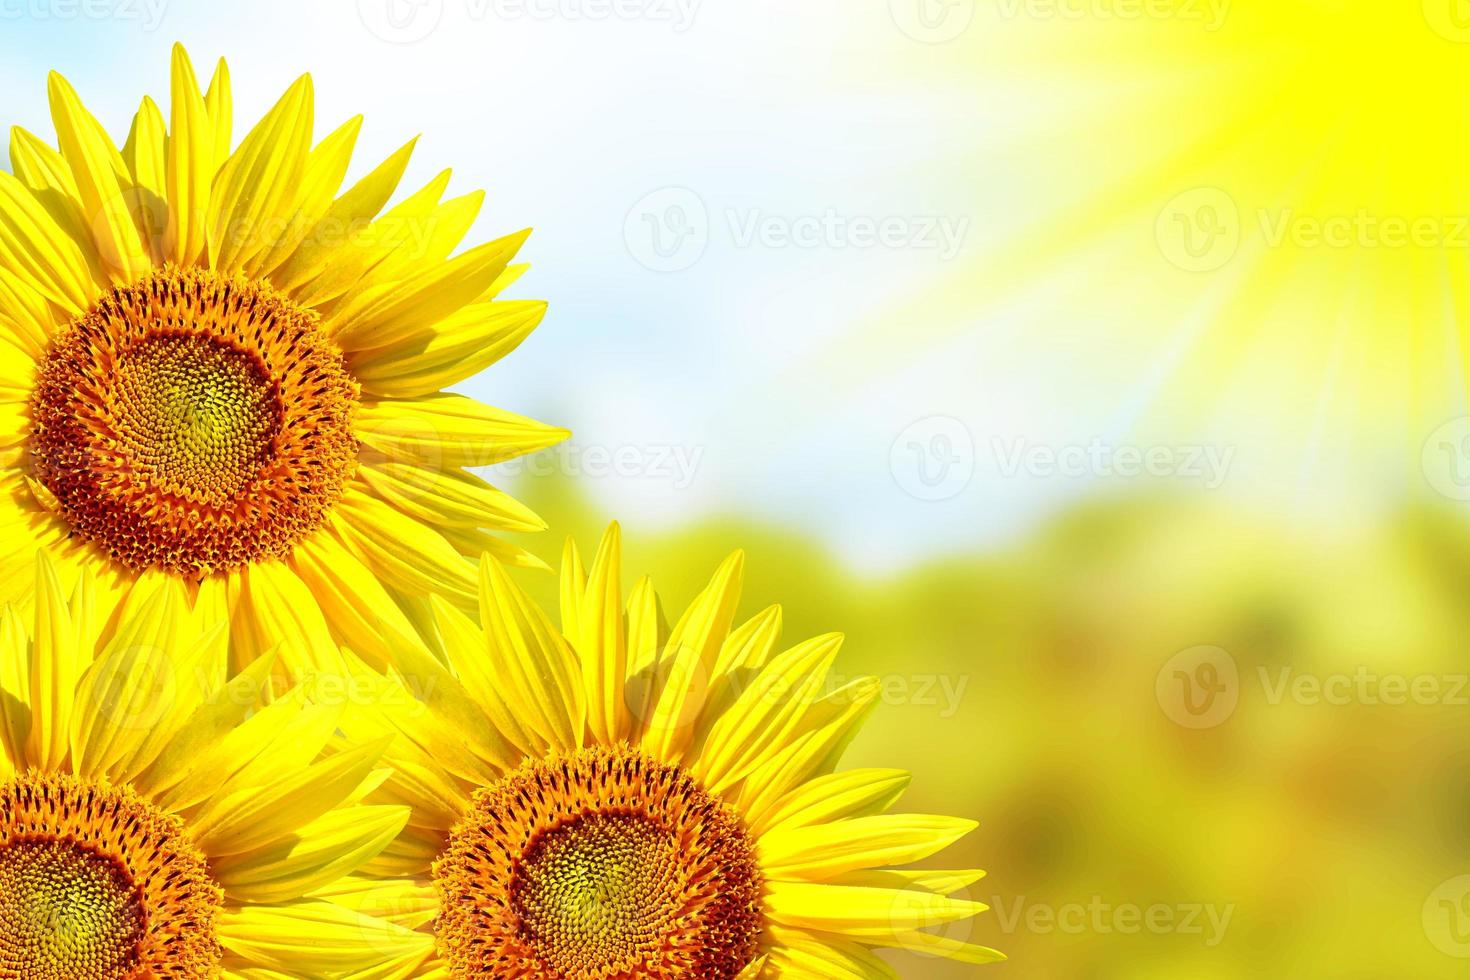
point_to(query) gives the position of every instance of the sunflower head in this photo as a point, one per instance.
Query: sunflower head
(602, 863)
(194, 423)
(160, 819)
(220, 362)
(611, 798)
(97, 883)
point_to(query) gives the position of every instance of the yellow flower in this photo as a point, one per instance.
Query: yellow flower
(215, 367)
(614, 800)
(157, 820)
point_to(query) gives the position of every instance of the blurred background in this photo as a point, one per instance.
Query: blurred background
(1096, 365)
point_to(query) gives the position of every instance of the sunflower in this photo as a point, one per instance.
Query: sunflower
(215, 367)
(607, 801)
(160, 819)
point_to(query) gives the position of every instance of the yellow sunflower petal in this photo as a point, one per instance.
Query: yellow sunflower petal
(39, 253)
(273, 606)
(266, 812)
(219, 101)
(42, 169)
(602, 644)
(538, 665)
(854, 792)
(387, 314)
(447, 496)
(362, 611)
(318, 854)
(56, 663)
(768, 712)
(191, 164)
(27, 317)
(209, 737)
(348, 216)
(15, 711)
(688, 663)
(146, 154)
(316, 938)
(824, 851)
(877, 914)
(835, 721)
(325, 168)
(798, 953)
(355, 249)
(405, 554)
(447, 430)
(249, 203)
(107, 198)
(457, 347)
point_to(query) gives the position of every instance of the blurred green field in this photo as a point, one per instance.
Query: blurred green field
(1311, 824)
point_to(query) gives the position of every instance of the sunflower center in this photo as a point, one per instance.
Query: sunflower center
(194, 423)
(604, 864)
(96, 884)
(65, 912)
